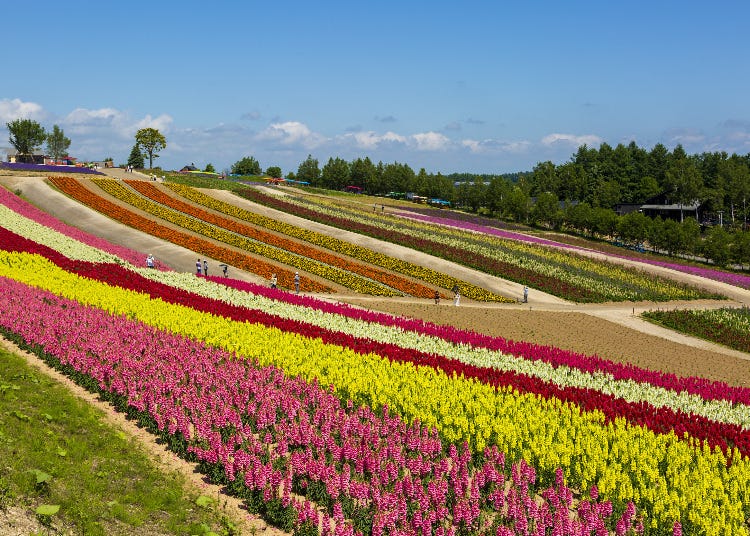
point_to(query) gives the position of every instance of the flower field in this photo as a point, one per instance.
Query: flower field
(340, 246)
(727, 326)
(732, 278)
(328, 418)
(557, 272)
(74, 189)
(401, 284)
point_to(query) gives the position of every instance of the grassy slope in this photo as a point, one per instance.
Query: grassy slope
(103, 480)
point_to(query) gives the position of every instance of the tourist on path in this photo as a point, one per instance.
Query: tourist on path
(198, 267)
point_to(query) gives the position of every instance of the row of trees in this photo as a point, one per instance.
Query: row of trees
(607, 176)
(717, 244)
(27, 136)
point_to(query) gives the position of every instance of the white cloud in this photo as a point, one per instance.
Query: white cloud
(571, 139)
(370, 140)
(12, 109)
(161, 123)
(431, 141)
(490, 146)
(291, 133)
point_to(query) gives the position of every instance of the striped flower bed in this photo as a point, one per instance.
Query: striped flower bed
(402, 398)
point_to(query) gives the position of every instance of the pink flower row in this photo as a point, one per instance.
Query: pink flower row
(278, 434)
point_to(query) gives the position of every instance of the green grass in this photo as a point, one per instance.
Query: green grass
(56, 449)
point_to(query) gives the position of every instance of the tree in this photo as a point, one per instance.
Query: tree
(210, 168)
(362, 173)
(336, 174)
(309, 171)
(57, 143)
(274, 171)
(135, 160)
(26, 135)
(682, 180)
(545, 208)
(716, 246)
(246, 166)
(150, 141)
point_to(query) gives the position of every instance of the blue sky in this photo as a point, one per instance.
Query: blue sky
(476, 86)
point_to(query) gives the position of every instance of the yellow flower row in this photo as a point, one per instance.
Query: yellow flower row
(342, 277)
(668, 478)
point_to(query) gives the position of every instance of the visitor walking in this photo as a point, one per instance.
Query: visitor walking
(296, 282)
(274, 280)
(437, 297)
(198, 267)
(150, 261)
(205, 267)
(456, 295)
(525, 294)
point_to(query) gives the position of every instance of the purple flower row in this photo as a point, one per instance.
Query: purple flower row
(48, 168)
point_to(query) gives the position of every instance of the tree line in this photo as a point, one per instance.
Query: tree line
(580, 195)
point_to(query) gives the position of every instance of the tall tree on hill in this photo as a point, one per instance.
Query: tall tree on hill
(26, 135)
(682, 180)
(57, 143)
(150, 141)
(135, 160)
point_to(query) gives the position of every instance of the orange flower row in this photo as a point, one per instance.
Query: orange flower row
(76, 190)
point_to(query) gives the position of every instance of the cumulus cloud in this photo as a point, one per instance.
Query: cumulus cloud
(161, 123)
(431, 141)
(291, 133)
(370, 140)
(571, 139)
(12, 109)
